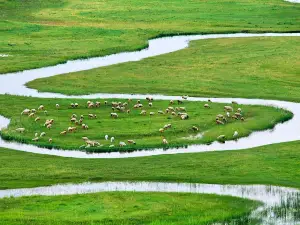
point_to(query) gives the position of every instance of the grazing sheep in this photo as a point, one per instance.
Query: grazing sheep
(80, 121)
(173, 113)
(88, 102)
(138, 101)
(49, 126)
(71, 129)
(112, 139)
(238, 114)
(195, 128)
(50, 140)
(86, 127)
(150, 99)
(21, 129)
(140, 105)
(143, 112)
(76, 122)
(63, 132)
(35, 139)
(122, 144)
(181, 109)
(164, 141)
(105, 102)
(91, 116)
(41, 107)
(57, 106)
(91, 105)
(228, 108)
(167, 110)
(31, 115)
(171, 108)
(25, 112)
(219, 122)
(37, 119)
(160, 112)
(106, 137)
(36, 134)
(131, 142)
(74, 116)
(72, 105)
(228, 114)
(46, 112)
(76, 105)
(184, 116)
(85, 138)
(171, 102)
(33, 110)
(220, 116)
(150, 104)
(167, 126)
(161, 130)
(234, 117)
(221, 138)
(97, 104)
(114, 115)
(152, 113)
(42, 134)
(235, 134)
(206, 106)
(128, 111)
(73, 120)
(239, 110)
(242, 119)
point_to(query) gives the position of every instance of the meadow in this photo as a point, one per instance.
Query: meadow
(208, 68)
(143, 129)
(125, 208)
(41, 33)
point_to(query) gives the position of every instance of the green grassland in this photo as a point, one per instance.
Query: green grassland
(235, 67)
(123, 208)
(39, 33)
(143, 129)
(276, 164)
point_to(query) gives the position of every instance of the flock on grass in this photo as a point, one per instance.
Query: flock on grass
(119, 107)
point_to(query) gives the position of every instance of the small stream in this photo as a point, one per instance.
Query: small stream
(281, 205)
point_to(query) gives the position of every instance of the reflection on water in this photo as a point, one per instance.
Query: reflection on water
(281, 205)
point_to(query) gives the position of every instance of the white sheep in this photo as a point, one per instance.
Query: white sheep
(164, 141)
(131, 142)
(35, 139)
(41, 107)
(112, 139)
(25, 112)
(235, 134)
(21, 129)
(106, 137)
(42, 134)
(57, 106)
(122, 144)
(114, 115)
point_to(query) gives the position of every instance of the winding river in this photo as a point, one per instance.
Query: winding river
(281, 204)
(15, 84)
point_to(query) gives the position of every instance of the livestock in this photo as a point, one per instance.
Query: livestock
(57, 106)
(122, 144)
(63, 132)
(41, 107)
(235, 134)
(150, 104)
(228, 108)
(195, 128)
(164, 141)
(37, 119)
(152, 113)
(35, 139)
(131, 142)
(112, 139)
(21, 129)
(206, 106)
(143, 112)
(50, 140)
(42, 134)
(25, 112)
(114, 115)
(106, 137)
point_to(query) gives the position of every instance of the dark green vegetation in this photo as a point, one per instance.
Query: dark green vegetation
(273, 164)
(38, 33)
(143, 129)
(122, 208)
(236, 67)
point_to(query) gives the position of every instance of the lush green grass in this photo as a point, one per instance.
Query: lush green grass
(38, 33)
(274, 164)
(143, 129)
(247, 67)
(123, 208)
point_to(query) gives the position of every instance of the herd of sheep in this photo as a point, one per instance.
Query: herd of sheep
(119, 107)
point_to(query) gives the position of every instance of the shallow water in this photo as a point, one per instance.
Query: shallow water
(281, 205)
(14, 83)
